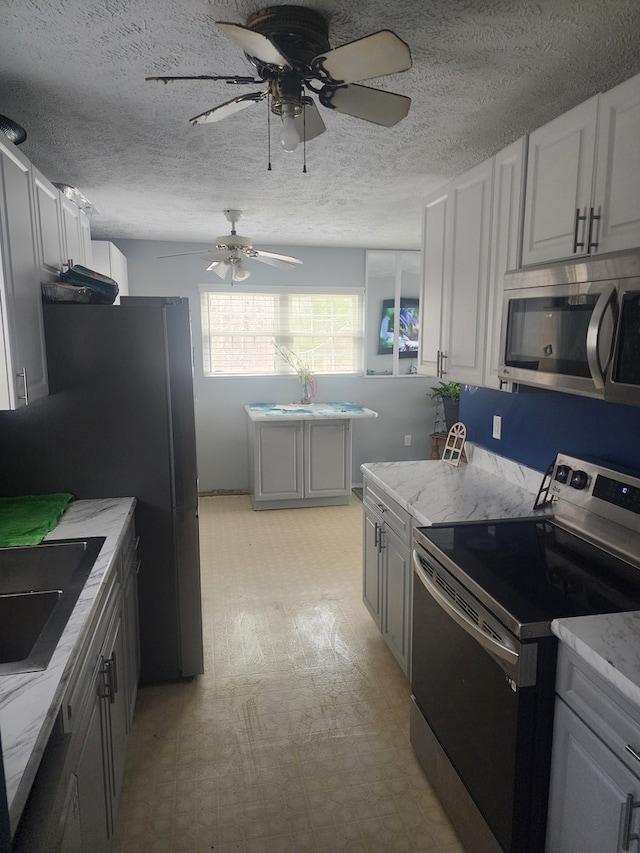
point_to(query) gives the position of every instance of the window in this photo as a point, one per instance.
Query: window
(240, 328)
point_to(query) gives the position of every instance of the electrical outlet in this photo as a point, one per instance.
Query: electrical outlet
(497, 426)
(407, 441)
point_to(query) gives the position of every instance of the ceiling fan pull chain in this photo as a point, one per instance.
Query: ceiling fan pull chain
(304, 139)
(269, 131)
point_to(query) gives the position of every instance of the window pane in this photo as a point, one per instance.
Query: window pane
(239, 330)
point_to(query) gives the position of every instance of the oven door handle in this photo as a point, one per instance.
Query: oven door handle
(596, 369)
(501, 650)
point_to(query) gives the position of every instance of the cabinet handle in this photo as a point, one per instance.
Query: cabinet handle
(579, 219)
(633, 751)
(443, 356)
(376, 536)
(23, 375)
(438, 354)
(627, 837)
(381, 539)
(593, 217)
(110, 678)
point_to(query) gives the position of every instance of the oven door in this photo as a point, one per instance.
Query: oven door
(477, 689)
(559, 336)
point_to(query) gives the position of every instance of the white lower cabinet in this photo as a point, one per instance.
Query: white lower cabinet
(386, 570)
(594, 803)
(73, 803)
(300, 463)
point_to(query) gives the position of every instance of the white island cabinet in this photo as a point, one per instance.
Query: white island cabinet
(300, 455)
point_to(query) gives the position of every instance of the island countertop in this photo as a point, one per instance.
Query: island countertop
(306, 411)
(29, 702)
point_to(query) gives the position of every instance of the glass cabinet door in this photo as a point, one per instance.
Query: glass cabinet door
(393, 313)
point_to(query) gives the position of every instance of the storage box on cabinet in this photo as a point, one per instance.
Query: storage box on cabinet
(583, 179)
(386, 571)
(595, 774)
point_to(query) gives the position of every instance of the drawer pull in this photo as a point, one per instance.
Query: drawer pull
(627, 837)
(633, 751)
(579, 219)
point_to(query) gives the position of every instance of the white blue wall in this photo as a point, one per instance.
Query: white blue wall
(401, 402)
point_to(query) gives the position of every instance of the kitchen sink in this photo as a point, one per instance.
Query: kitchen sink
(39, 587)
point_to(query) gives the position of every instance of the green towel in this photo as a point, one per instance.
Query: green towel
(26, 520)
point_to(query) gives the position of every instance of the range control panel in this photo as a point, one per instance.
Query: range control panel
(597, 488)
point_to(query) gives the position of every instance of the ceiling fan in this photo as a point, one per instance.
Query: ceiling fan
(289, 47)
(232, 248)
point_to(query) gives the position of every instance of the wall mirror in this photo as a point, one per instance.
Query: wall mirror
(392, 313)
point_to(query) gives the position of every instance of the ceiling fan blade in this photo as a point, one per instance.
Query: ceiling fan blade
(283, 262)
(376, 55)
(228, 108)
(309, 124)
(179, 255)
(254, 44)
(375, 105)
(235, 78)
(216, 255)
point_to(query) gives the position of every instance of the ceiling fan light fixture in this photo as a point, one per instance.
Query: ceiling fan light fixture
(289, 136)
(240, 272)
(219, 268)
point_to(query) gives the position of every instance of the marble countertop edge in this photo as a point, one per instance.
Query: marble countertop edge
(29, 702)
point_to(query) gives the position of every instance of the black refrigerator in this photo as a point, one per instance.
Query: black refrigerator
(119, 421)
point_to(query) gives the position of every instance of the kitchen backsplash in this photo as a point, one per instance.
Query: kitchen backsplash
(538, 424)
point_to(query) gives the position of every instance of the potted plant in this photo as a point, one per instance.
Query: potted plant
(447, 393)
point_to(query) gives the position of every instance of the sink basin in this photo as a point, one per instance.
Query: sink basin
(39, 587)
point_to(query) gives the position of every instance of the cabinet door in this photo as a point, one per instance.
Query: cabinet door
(84, 228)
(23, 371)
(464, 309)
(433, 272)
(396, 579)
(91, 773)
(506, 244)
(617, 190)
(371, 565)
(132, 668)
(589, 790)
(48, 225)
(327, 453)
(73, 244)
(278, 461)
(560, 171)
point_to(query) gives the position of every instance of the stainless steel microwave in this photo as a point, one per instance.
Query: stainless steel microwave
(575, 327)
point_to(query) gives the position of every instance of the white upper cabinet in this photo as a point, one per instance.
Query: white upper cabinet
(506, 228)
(48, 215)
(583, 179)
(559, 185)
(109, 260)
(76, 234)
(617, 186)
(23, 372)
(456, 241)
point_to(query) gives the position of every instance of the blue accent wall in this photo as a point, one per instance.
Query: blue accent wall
(538, 424)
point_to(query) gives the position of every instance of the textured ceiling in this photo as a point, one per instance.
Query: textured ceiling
(484, 73)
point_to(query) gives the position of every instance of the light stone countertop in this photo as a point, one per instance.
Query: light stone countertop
(435, 492)
(29, 702)
(610, 644)
(306, 411)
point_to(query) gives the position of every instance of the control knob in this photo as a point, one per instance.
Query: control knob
(578, 480)
(562, 473)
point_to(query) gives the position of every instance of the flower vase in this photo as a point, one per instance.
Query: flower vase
(308, 391)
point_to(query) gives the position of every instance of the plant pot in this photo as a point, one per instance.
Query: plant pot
(451, 412)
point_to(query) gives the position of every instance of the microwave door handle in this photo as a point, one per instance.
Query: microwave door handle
(593, 335)
(500, 650)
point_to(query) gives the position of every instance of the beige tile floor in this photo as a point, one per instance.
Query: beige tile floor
(296, 737)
